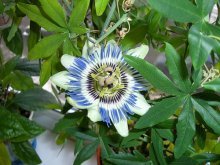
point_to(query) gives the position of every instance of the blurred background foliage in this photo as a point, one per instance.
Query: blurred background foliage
(183, 125)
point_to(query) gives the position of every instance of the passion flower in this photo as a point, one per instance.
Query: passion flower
(104, 84)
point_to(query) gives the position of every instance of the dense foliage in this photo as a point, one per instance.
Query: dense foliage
(183, 124)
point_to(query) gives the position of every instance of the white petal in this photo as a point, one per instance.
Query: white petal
(75, 105)
(122, 127)
(61, 79)
(93, 114)
(111, 42)
(141, 106)
(67, 60)
(140, 51)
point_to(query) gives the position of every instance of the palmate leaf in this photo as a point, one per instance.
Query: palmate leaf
(34, 13)
(25, 152)
(105, 148)
(78, 14)
(53, 9)
(178, 10)
(153, 75)
(70, 48)
(159, 112)
(208, 114)
(47, 46)
(185, 129)
(177, 68)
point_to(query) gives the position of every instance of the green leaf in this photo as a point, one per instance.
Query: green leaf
(68, 121)
(197, 79)
(133, 136)
(205, 6)
(32, 100)
(19, 81)
(4, 158)
(49, 67)
(86, 152)
(153, 75)
(158, 146)
(26, 153)
(105, 149)
(61, 138)
(54, 11)
(209, 115)
(206, 157)
(178, 10)
(29, 68)
(152, 155)
(46, 70)
(78, 146)
(184, 160)
(47, 46)
(167, 124)
(78, 14)
(177, 68)
(166, 133)
(201, 136)
(80, 30)
(128, 159)
(200, 45)
(159, 112)
(81, 133)
(2, 7)
(8, 67)
(185, 129)
(70, 48)
(16, 43)
(17, 128)
(100, 6)
(34, 34)
(213, 85)
(14, 28)
(34, 13)
(135, 36)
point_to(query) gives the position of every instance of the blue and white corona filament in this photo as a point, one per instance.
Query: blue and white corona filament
(104, 84)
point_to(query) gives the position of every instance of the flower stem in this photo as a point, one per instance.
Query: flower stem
(108, 19)
(120, 21)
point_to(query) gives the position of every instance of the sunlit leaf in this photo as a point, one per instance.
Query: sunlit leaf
(47, 46)
(100, 6)
(4, 158)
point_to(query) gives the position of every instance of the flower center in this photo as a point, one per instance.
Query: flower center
(107, 81)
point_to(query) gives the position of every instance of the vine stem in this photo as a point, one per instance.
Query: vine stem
(108, 19)
(120, 21)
